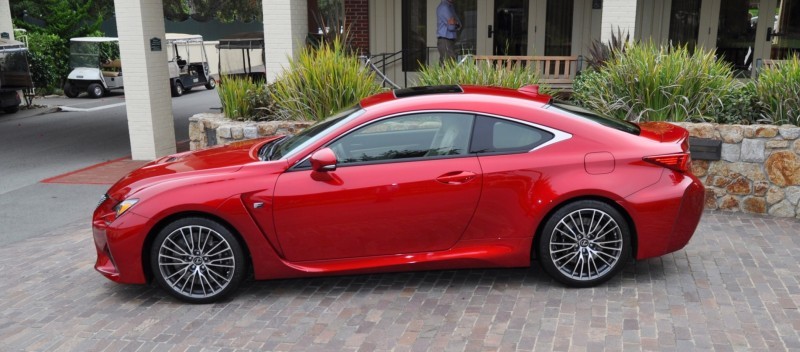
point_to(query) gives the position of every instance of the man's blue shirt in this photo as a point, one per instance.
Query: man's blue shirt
(444, 12)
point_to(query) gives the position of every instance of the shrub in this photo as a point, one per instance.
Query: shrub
(474, 72)
(778, 90)
(47, 60)
(739, 106)
(652, 83)
(244, 99)
(322, 81)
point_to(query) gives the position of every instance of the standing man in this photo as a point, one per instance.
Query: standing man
(448, 25)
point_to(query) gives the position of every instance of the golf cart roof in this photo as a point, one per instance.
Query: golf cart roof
(183, 38)
(8, 44)
(246, 40)
(94, 39)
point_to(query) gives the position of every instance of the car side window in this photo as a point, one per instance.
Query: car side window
(495, 135)
(425, 135)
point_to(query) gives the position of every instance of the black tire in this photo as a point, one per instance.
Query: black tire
(11, 109)
(211, 84)
(95, 90)
(588, 236)
(177, 88)
(70, 91)
(182, 268)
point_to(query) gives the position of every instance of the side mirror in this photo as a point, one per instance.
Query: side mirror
(323, 160)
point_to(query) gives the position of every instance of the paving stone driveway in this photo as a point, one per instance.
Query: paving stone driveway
(735, 287)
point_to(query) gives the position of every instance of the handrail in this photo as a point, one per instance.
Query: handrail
(369, 64)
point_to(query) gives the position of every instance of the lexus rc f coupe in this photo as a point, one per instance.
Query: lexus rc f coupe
(420, 178)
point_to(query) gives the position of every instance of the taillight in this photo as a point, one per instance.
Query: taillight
(679, 162)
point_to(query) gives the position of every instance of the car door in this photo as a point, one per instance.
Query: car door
(403, 184)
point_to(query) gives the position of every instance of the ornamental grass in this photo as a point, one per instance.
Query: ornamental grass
(778, 90)
(323, 81)
(656, 83)
(477, 72)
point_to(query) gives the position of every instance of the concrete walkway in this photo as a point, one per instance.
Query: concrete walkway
(735, 287)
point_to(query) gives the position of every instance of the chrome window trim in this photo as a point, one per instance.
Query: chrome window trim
(558, 135)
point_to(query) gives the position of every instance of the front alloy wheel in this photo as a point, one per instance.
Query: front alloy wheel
(586, 243)
(197, 260)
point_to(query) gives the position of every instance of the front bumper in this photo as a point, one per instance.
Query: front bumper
(119, 248)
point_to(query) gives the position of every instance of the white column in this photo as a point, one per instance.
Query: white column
(618, 13)
(6, 26)
(285, 30)
(147, 93)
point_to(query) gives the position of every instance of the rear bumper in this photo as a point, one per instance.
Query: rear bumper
(666, 214)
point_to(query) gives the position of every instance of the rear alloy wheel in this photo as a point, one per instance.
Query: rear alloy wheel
(177, 89)
(70, 91)
(585, 243)
(197, 260)
(95, 90)
(211, 84)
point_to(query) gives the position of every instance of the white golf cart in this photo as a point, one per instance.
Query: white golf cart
(96, 68)
(188, 63)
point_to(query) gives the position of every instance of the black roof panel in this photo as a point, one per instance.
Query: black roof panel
(426, 90)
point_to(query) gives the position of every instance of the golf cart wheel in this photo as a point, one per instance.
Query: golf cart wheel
(70, 91)
(95, 90)
(211, 84)
(177, 89)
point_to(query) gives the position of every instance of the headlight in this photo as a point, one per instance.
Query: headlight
(102, 199)
(123, 206)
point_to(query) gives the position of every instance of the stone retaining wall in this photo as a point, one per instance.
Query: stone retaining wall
(759, 172)
(208, 129)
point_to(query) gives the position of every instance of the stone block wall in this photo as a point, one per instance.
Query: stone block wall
(759, 172)
(208, 129)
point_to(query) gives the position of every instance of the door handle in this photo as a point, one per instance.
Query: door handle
(491, 31)
(456, 177)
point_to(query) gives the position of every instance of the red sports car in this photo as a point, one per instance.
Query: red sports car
(413, 179)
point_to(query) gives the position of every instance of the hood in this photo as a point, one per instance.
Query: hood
(202, 163)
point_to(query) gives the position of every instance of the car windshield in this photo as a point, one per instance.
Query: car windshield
(293, 144)
(576, 111)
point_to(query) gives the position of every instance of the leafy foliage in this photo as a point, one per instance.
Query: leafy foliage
(600, 53)
(45, 70)
(322, 81)
(245, 99)
(653, 83)
(204, 10)
(778, 90)
(477, 72)
(740, 105)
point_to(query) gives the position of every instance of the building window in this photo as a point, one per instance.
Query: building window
(684, 23)
(415, 29)
(558, 29)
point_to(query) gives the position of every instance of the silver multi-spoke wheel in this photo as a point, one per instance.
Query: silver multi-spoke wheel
(585, 243)
(197, 260)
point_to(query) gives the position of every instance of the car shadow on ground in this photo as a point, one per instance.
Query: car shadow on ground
(467, 280)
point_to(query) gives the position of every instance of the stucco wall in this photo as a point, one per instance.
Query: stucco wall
(759, 172)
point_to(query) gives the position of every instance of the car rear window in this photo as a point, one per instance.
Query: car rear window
(576, 111)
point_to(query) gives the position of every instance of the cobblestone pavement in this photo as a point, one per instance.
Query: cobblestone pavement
(735, 287)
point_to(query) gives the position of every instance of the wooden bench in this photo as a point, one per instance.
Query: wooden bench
(558, 72)
(770, 64)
